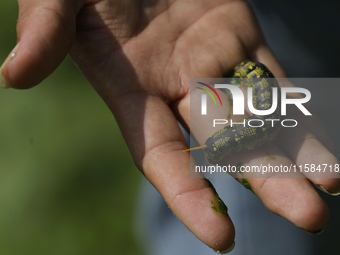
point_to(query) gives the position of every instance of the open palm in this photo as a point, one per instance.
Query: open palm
(139, 56)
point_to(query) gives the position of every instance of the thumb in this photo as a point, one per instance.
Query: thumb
(45, 30)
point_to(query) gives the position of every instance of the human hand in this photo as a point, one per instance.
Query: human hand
(139, 58)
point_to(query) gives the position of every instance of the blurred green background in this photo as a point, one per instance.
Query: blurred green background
(67, 181)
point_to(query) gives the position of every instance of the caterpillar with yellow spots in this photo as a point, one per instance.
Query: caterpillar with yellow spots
(239, 137)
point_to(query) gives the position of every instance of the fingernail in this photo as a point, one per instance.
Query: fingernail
(3, 82)
(336, 193)
(227, 250)
(315, 233)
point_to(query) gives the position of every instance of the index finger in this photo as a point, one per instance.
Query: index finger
(157, 143)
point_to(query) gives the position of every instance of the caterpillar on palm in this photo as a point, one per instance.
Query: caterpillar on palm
(236, 138)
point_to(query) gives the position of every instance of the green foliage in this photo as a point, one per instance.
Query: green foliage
(67, 181)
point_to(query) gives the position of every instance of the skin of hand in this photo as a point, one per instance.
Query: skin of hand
(139, 56)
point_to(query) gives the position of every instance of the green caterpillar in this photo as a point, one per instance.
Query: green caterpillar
(241, 137)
